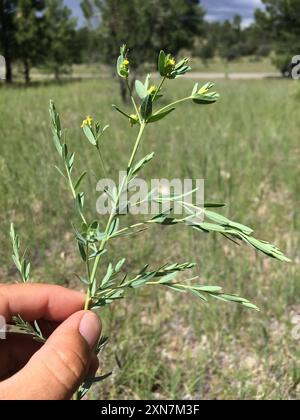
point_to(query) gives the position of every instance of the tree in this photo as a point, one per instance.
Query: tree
(87, 34)
(281, 19)
(146, 27)
(207, 44)
(60, 32)
(28, 26)
(7, 33)
(231, 39)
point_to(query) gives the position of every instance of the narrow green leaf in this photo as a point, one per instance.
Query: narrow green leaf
(198, 294)
(208, 289)
(120, 264)
(60, 172)
(120, 111)
(161, 63)
(138, 166)
(141, 89)
(251, 306)
(146, 108)
(78, 182)
(213, 205)
(160, 116)
(82, 251)
(89, 135)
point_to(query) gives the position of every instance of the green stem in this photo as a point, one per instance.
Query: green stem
(102, 162)
(112, 215)
(74, 192)
(133, 101)
(150, 283)
(172, 104)
(131, 227)
(159, 88)
(88, 272)
(71, 183)
(136, 146)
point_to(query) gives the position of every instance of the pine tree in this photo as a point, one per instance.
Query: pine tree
(60, 31)
(29, 33)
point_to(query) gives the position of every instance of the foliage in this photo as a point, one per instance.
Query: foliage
(59, 33)
(29, 32)
(281, 19)
(230, 41)
(148, 26)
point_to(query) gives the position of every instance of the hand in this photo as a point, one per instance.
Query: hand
(53, 371)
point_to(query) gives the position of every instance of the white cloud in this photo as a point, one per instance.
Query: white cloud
(226, 9)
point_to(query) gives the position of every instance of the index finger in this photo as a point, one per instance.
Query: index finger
(36, 301)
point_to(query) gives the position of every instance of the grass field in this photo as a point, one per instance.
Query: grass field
(169, 346)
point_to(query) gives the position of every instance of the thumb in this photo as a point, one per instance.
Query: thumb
(59, 367)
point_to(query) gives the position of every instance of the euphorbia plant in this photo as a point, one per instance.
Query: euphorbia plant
(94, 236)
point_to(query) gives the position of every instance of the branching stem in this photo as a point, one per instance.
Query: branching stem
(92, 277)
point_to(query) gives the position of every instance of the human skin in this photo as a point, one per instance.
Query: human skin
(53, 371)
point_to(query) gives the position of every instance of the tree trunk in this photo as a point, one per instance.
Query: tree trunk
(8, 64)
(56, 74)
(26, 71)
(6, 44)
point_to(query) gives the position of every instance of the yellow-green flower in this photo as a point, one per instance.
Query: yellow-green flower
(168, 66)
(134, 119)
(88, 121)
(125, 65)
(203, 90)
(170, 63)
(152, 90)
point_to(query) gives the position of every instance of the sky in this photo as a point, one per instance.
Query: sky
(216, 9)
(225, 9)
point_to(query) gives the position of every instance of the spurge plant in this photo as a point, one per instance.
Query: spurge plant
(94, 236)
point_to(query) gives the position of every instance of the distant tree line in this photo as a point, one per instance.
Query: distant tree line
(44, 34)
(37, 33)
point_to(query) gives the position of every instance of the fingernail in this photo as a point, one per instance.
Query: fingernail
(90, 328)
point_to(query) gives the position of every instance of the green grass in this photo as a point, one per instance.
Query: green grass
(166, 345)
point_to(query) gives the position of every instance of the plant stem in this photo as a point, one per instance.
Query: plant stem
(71, 183)
(133, 100)
(136, 146)
(159, 88)
(172, 104)
(111, 217)
(102, 162)
(131, 227)
(74, 192)
(88, 272)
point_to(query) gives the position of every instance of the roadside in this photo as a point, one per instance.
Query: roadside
(234, 76)
(192, 75)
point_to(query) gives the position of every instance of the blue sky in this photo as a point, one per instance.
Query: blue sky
(216, 9)
(225, 9)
